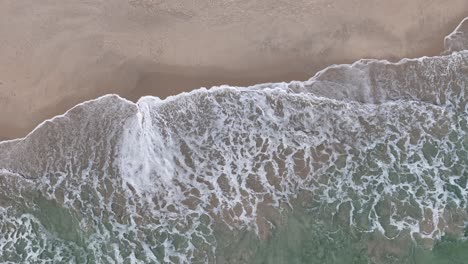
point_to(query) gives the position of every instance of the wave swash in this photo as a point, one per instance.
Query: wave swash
(363, 163)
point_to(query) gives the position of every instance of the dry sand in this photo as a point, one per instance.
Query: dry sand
(55, 53)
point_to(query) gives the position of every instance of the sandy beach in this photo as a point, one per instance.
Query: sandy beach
(55, 54)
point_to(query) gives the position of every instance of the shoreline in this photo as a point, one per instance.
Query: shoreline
(176, 79)
(41, 91)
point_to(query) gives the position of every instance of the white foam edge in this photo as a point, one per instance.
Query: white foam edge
(204, 89)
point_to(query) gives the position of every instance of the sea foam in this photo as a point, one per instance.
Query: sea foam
(384, 144)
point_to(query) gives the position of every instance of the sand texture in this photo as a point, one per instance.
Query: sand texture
(55, 54)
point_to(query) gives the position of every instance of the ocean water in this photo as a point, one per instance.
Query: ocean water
(363, 163)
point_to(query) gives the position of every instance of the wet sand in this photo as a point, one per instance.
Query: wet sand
(55, 54)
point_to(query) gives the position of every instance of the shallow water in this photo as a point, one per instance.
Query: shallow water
(363, 163)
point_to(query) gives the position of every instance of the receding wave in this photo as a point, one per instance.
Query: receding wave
(373, 147)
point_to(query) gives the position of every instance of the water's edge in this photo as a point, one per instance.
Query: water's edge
(370, 157)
